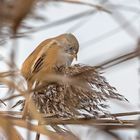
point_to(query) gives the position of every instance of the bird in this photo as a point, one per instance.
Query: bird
(48, 57)
(51, 53)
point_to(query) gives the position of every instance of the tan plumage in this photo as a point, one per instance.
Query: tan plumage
(55, 52)
(50, 54)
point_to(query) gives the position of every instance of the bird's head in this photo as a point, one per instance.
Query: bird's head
(69, 45)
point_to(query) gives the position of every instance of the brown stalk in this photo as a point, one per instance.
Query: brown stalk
(22, 8)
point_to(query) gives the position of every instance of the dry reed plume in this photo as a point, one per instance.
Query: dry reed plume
(82, 91)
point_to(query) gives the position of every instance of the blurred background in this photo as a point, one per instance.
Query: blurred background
(108, 33)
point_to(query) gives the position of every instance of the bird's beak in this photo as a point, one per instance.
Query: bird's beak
(75, 56)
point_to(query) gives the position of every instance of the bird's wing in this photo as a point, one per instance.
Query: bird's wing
(38, 63)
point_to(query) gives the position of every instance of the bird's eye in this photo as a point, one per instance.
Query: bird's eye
(71, 48)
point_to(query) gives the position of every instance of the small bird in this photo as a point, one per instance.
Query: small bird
(49, 55)
(47, 58)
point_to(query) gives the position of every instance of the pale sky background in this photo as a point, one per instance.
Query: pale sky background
(124, 76)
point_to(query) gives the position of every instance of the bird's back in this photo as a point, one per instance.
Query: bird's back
(27, 64)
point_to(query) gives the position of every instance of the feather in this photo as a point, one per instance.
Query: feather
(38, 64)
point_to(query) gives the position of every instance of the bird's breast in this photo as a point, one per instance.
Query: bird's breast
(56, 57)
